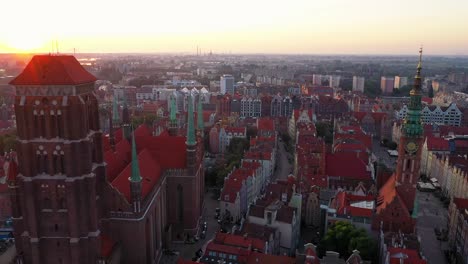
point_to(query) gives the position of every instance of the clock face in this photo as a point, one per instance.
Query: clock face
(411, 147)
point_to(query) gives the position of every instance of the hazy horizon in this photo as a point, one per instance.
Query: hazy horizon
(334, 27)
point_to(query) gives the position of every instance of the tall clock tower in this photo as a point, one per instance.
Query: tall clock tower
(55, 194)
(410, 147)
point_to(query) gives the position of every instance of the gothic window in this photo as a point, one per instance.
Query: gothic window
(42, 123)
(180, 208)
(59, 123)
(45, 164)
(63, 203)
(39, 163)
(36, 123)
(46, 203)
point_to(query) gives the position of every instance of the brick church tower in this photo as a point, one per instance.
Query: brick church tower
(410, 147)
(60, 163)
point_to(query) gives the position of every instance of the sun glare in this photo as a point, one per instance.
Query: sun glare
(24, 42)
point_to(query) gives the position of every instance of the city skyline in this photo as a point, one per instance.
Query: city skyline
(301, 27)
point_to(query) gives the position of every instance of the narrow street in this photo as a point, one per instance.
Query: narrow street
(431, 214)
(187, 251)
(283, 166)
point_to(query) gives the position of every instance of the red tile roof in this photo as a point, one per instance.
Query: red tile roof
(342, 204)
(150, 172)
(169, 151)
(53, 70)
(142, 131)
(386, 194)
(409, 256)
(348, 165)
(116, 162)
(212, 246)
(265, 124)
(255, 258)
(437, 144)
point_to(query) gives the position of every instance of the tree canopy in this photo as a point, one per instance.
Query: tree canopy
(8, 142)
(233, 155)
(148, 119)
(325, 130)
(343, 237)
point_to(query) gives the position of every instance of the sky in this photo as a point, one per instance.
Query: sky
(240, 26)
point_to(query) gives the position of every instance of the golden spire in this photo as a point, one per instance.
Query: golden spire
(418, 74)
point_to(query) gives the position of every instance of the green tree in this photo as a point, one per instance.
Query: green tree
(8, 142)
(233, 156)
(343, 237)
(325, 131)
(147, 119)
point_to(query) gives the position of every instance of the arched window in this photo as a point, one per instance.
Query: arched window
(63, 203)
(46, 203)
(180, 201)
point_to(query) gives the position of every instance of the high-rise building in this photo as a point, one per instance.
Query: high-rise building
(227, 84)
(317, 79)
(334, 81)
(358, 84)
(400, 82)
(387, 84)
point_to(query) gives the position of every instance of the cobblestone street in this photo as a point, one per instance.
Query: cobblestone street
(187, 251)
(431, 214)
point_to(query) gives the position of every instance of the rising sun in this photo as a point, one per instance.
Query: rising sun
(24, 42)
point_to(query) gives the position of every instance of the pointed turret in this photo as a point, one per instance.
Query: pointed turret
(172, 117)
(190, 123)
(412, 124)
(135, 179)
(125, 113)
(111, 132)
(115, 113)
(200, 124)
(126, 130)
(191, 142)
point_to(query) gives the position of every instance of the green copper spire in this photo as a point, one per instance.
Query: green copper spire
(115, 111)
(124, 100)
(200, 124)
(412, 124)
(172, 114)
(135, 176)
(190, 123)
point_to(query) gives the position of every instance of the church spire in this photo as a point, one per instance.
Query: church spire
(412, 126)
(135, 179)
(172, 116)
(111, 131)
(200, 124)
(135, 174)
(115, 112)
(125, 114)
(190, 123)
